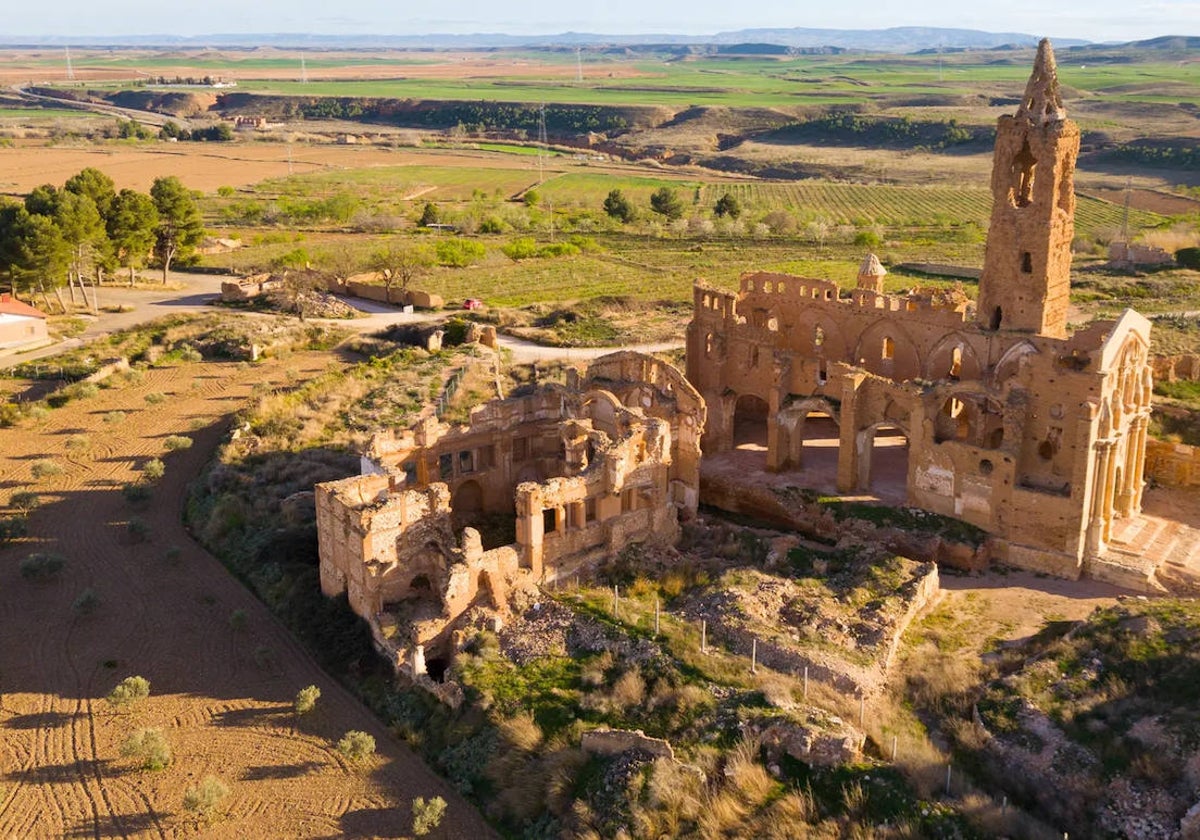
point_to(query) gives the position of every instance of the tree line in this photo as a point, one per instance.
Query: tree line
(75, 234)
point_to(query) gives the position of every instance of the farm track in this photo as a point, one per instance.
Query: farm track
(223, 713)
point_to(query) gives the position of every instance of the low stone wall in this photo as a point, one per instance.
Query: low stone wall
(1174, 368)
(617, 741)
(1174, 464)
(412, 297)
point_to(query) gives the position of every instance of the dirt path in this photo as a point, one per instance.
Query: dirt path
(221, 696)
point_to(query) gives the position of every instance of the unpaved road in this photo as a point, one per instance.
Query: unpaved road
(222, 696)
(190, 293)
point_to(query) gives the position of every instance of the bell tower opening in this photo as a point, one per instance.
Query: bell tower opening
(1023, 166)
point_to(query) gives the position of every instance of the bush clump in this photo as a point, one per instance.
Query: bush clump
(356, 746)
(176, 442)
(44, 468)
(42, 566)
(149, 748)
(204, 798)
(459, 253)
(128, 693)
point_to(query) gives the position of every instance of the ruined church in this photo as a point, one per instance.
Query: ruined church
(1008, 420)
(1003, 418)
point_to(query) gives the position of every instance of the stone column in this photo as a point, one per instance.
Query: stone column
(1139, 474)
(418, 662)
(848, 455)
(1095, 531)
(1110, 488)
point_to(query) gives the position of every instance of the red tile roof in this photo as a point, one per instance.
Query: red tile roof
(9, 306)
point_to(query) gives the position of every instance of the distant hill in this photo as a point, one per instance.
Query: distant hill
(901, 39)
(898, 39)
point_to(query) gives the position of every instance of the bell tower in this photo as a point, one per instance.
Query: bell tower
(1026, 279)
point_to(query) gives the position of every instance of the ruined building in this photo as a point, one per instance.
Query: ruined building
(583, 470)
(1007, 419)
(1004, 419)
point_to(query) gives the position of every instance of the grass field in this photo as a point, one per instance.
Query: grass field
(836, 203)
(801, 81)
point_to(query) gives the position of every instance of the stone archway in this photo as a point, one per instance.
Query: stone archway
(750, 416)
(883, 461)
(466, 504)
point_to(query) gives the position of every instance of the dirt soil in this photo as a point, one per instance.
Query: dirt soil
(206, 166)
(50, 66)
(221, 696)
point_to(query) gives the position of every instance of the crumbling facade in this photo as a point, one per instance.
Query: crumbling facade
(581, 471)
(1010, 422)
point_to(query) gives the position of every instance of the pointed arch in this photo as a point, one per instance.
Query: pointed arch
(943, 364)
(1010, 363)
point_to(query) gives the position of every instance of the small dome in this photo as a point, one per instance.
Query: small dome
(871, 267)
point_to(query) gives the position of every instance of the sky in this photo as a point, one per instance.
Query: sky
(1097, 20)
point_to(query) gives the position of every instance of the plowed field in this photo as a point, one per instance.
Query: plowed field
(222, 696)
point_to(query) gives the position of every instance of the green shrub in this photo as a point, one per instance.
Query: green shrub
(128, 693)
(24, 501)
(12, 528)
(665, 201)
(558, 249)
(137, 493)
(154, 469)
(237, 620)
(114, 417)
(427, 814)
(306, 699)
(86, 602)
(175, 442)
(42, 566)
(149, 748)
(76, 443)
(521, 249)
(10, 414)
(868, 239)
(727, 205)
(203, 799)
(618, 207)
(459, 253)
(156, 398)
(44, 467)
(356, 746)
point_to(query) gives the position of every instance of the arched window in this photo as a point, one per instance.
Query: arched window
(889, 348)
(955, 362)
(818, 336)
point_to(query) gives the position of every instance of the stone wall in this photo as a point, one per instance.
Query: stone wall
(1174, 368)
(616, 741)
(1173, 464)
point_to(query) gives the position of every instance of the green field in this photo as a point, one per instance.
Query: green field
(801, 81)
(860, 205)
(27, 114)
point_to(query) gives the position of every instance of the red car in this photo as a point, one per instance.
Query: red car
(472, 303)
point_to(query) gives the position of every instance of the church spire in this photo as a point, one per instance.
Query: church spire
(1042, 102)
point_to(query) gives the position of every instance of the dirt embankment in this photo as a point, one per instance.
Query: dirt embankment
(221, 690)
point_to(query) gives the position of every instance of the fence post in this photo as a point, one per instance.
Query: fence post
(703, 636)
(656, 615)
(805, 682)
(616, 604)
(754, 656)
(862, 710)
(894, 740)
(949, 767)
